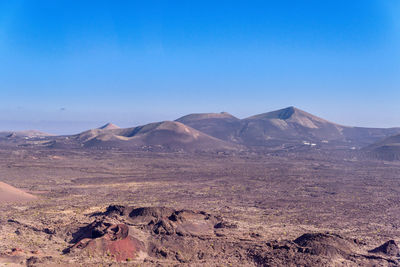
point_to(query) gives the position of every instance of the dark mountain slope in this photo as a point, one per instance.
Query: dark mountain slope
(387, 149)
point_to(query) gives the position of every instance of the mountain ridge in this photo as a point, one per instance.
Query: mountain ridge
(278, 129)
(168, 135)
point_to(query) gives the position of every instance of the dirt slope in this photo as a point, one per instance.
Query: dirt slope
(387, 149)
(9, 193)
(162, 135)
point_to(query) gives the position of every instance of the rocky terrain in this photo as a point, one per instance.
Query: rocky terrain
(116, 208)
(284, 188)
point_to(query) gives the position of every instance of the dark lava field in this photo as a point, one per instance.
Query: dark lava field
(111, 208)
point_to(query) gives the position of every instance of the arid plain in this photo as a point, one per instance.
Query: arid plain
(302, 202)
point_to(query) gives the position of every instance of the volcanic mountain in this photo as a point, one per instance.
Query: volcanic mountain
(92, 133)
(288, 125)
(9, 193)
(222, 125)
(166, 135)
(285, 128)
(387, 149)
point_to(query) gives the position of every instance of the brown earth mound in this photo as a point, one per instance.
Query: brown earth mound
(389, 248)
(150, 212)
(168, 221)
(9, 193)
(325, 244)
(152, 230)
(107, 240)
(166, 237)
(314, 249)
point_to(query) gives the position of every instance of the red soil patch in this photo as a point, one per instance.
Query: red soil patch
(115, 243)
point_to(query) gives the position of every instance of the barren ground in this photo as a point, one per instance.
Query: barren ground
(268, 198)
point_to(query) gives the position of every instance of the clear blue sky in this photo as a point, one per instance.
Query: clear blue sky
(66, 66)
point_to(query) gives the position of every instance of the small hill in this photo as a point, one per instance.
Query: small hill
(92, 133)
(9, 193)
(387, 149)
(222, 125)
(166, 135)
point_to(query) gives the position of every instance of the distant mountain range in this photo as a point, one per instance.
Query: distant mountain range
(168, 135)
(280, 129)
(289, 125)
(27, 134)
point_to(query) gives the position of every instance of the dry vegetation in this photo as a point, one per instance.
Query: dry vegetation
(268, 198)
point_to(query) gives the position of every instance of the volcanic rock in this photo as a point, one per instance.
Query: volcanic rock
(389, 248)
(162, 220)
(326, 244)
(105, 239)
